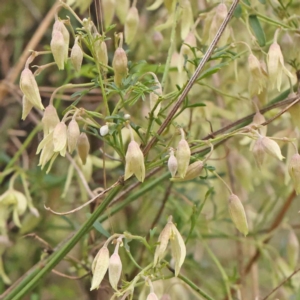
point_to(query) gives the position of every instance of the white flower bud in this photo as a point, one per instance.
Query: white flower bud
(114, 270)
(108, 8)
(101, 51)
(104, 130)
(58, 49)
(134, 162)
(50, 119)
(271, 147)
(172, 164)
(193, 171)
(237, 214)
(122, 10)
(73, 134)
(99, 267)
(26, 107)
(119, 65)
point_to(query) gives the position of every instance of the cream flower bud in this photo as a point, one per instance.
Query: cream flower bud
(294, 171)
(114, 270)
(276, 66)
(104, 130)
(131, 24)
(101, 51)
(108, 8)
(172, 163)
(76, 56)
(187, 19)
(193, 171)
(271, 147)
(119, 65)
(134, 162)
(259, 119)
(50, 119)
(237, 214)
(26, 107)
(83, 147)
(57, 46)
(60, 26)
(292, 249)
(152, 296)
(178, 249)
(73, 134)
(30, 88)
(99, 267)
(122, 10)
(183, 155)
(60, 137)
(163, 241)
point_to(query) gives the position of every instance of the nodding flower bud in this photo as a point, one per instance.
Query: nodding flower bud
(170, 232)
(122, 10)
(30, 88)
(83, 147)
(50, 119)
(237, 214)
(154, 95)
(172, 163)
(157, 39)
(73, 134)
(99, 267)
(60, 138)
(60, 26)
(183, 155)
(152, 296)
(134, 162)
(101, 51)
(276, 66)
(57, 46)
(193, 171)
(114, 270)
(294, 171)
(104, 130)
(292, 249)
(258, 76)
(131, 24)
(259, 119)
(119, 65)
(26, 107)
(76, 56)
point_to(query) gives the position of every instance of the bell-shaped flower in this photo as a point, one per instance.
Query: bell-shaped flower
(30, 88)
(172, 163)
(26, 107)
(50, 119)
(60, 138)
(73, 134)
(83, 147)
(134, 162)
(183, 155)
(114, 270)
(76, 56)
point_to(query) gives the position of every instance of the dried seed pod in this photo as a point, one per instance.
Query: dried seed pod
(76, 56)
(294, 171)
(57, 46)
(60, 137)
(99, 267)
(114, 270)
(30, 88)
(83, 147)
(131, 24)
(50, 119)
(134, 162)
(237, 214)
(73, 134)
(183, 155)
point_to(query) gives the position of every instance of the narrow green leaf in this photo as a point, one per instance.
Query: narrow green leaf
(97, 225)
(257, 30)
(196, 105)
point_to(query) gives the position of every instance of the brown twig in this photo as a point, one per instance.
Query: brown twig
(70, 277)
(194, 77)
